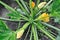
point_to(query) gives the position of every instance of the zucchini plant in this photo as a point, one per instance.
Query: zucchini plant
(35, 16)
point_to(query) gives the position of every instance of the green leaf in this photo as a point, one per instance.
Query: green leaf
(55, 12)
(14, 16)
(13, 36)
(56, 5)
(3, 26)
(6, 33)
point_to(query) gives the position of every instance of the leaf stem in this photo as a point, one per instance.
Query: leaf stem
(31, 35)
(38, 1)
(6, 19)
(24, 5)
(48, 3)
(34, 33)
(51, 26)
(24, 27)
(27, 33)
(30, 3)
(39, 27)
(18, 25)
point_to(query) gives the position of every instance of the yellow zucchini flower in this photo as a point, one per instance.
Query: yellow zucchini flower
(20, 33)
(33, 4)
(44, 17)
(41, 5)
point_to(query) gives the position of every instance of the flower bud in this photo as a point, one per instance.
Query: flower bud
(33, 4)
(41, 5)
(20, 33)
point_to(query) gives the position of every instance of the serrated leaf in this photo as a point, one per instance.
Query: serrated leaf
(55, 12)
(56, 5)
(6, 33)
(3, 27)
(14, 16)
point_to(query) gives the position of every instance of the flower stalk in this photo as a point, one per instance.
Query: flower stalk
(21, 30)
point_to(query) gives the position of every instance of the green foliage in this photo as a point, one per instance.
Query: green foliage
(55, 10)
(6, 33)
(3, 26)
(14, 16)
(56, 6)
(29, 15)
